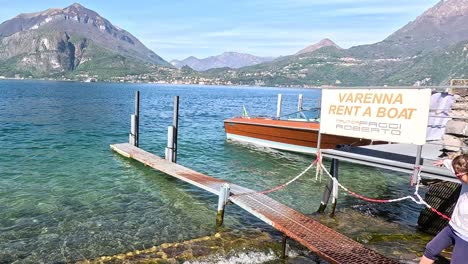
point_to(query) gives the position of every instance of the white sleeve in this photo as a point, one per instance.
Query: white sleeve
(448, 164)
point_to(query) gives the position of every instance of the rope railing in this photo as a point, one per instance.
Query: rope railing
(418, 200)
(416, 197)
(279, 187)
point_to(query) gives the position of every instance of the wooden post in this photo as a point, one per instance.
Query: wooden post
(299, 103)
(222, 200)
(278, 106)
(326, 192)
(170, 143)
(417, 163)
(335, 186)
(175, 124)
(283, 247)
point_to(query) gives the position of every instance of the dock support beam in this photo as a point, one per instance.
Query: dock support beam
(284, 241)
(222, 200)
(133, 138)
(170, 144)
(326, 194)
(331, 188)
(414, 177)
(171, 149)
(335, 186)
(299, 103)
(278, 106)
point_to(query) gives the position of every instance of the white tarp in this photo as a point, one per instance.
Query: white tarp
(395, 115)
(441, 103)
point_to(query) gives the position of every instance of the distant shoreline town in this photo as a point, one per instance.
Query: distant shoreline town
(146, 79)
(76, 43)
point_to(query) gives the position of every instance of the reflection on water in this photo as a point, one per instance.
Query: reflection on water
(65, 196)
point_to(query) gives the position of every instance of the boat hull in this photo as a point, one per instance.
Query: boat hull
(272, 144)
(287, 135)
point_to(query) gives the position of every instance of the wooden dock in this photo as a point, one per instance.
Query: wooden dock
(323, 241)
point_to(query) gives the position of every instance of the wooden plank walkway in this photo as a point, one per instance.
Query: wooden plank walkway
(323, 241)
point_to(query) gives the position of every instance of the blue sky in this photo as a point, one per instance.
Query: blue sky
(180, 28)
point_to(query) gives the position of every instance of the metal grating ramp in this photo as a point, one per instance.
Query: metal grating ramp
(323, 241)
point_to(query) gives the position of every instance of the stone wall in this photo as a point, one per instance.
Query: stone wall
(443, 195)
(455, 139)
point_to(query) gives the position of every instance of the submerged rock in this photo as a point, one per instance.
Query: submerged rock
(225, 247)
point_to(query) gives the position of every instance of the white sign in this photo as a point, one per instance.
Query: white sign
(395, 115)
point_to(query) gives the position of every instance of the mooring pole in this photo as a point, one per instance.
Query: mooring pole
(278, 106)
(283, 247)
(137, 113)
(170, 144)
(335, 186)
(175, 124)
(417, 163)
(326, 192)
(299, 103)
(222, 200)
(133, 138)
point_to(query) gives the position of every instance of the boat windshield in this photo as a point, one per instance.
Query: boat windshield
(311, 115)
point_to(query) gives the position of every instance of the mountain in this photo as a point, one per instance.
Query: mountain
(439, 27)
(70, 40)
(227, 59)
(322, 43)
(430, 50)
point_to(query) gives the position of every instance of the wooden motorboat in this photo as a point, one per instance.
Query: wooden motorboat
(297, 132)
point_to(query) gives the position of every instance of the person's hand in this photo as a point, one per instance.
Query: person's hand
(438, 163)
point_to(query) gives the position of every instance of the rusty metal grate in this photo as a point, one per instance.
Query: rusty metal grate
(323, 241)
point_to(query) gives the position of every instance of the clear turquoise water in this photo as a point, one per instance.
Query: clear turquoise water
(65, 196)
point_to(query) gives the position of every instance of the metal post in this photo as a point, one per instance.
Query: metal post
(335, 186)
(133, 138)
(222, 200)
(278, 106)
(283, 246)
(137, 121)
(175, 124)
(133, 129)
(327, 192)
(170, 143)
(317, 153)
(417, 163)
(299, 103)
(319, 139)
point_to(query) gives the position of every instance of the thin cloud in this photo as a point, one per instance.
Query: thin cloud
(377, 10)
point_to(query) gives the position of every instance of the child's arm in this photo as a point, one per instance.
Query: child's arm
(438, 163)
(446, 162)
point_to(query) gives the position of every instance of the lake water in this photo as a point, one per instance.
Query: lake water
(65, 196)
